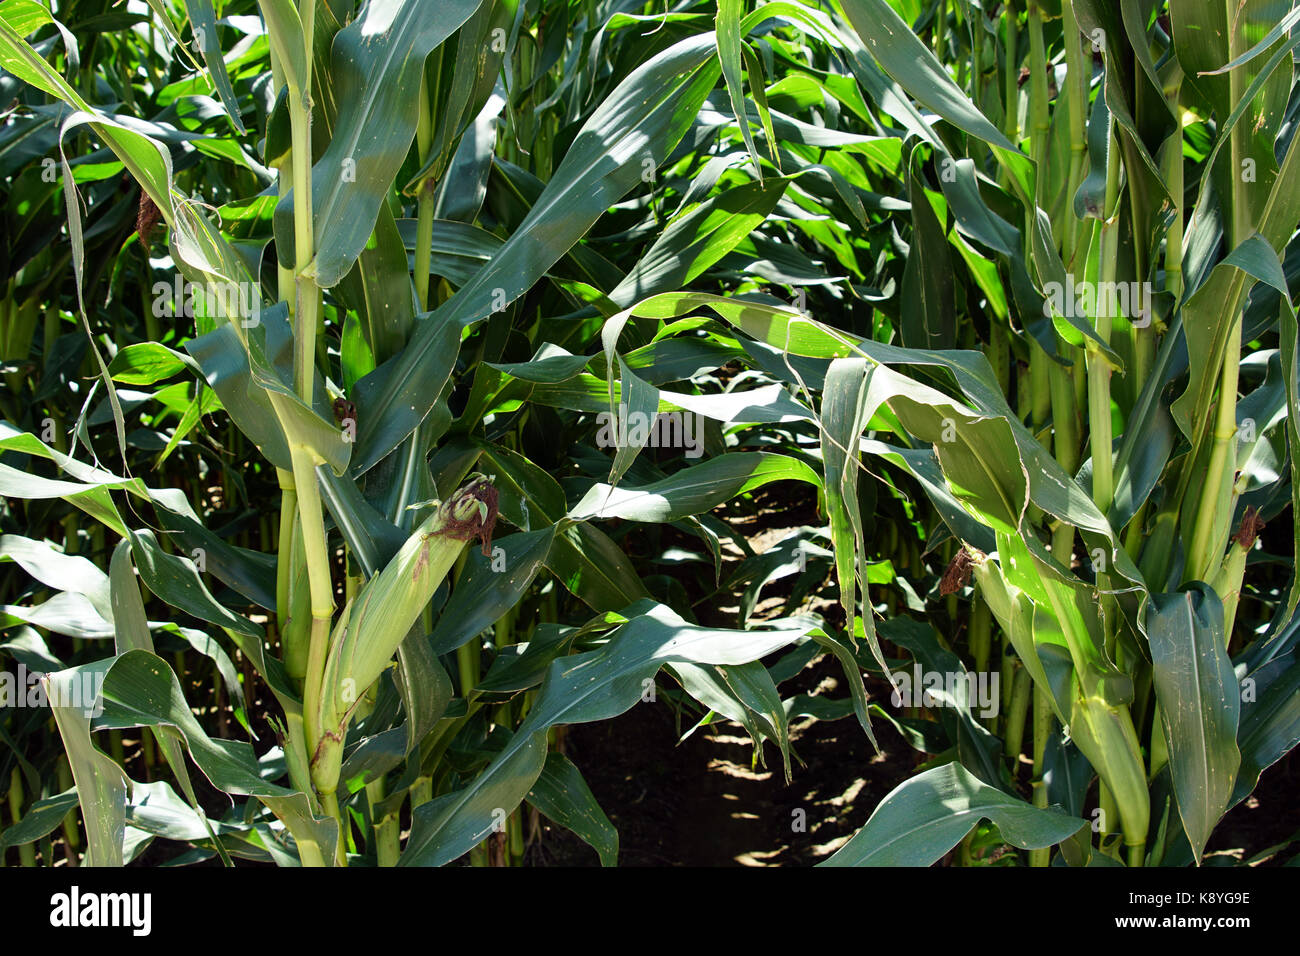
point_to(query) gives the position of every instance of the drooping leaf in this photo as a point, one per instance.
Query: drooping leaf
(564, 797)
(923, 818)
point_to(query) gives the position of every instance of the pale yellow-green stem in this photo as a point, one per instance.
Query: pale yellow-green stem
(1011, 75)
(387, 845)
(1099, 424)
(1065, 444)
(1172, 167)
(424, 214)
(1159, 746)
(1006, 675)
(1040, 395)
(1079, 371)
(1040, 118)
(1203, 552)
(71, 835)
(26, 851)
(1044, 722)
(1135, 533)
(516, 830)
(1076, 97)
(297, 760)
(308, 294)
(293, 632)
(467, 655)
(1099, 369)
(306, 315)
(1022, 688)
(1205, 549)
(307, 298)
(316, 555)
(981, 637)
(284, 185)
(292, 611)
(1109, 814)
(318, 575)
(1239, 227)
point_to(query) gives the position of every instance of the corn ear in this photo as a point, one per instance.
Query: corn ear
(378, 619)
(1099, 721)
(993, 587)
(1227, 581)
(1105, 735)
(1227, 584)
(295, 636)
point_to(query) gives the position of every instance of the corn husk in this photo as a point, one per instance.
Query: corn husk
(378, 619)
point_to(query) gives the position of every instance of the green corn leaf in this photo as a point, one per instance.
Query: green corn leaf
(376, 69)
(923, 818)
(424, 686)
(929, 320)
(176, 580)
(203, 19)
(101, 784)
(692, 490)
(55, 569)
(638, 124)
(131, 632)
(1270, 720)
(594, 568)
(140, 690)
(914, 67)
(729, 50)
(1199, 705)
(491, 585)
(563, 796)
(41, 819)
(584, 687)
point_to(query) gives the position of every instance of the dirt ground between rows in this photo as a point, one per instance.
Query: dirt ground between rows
(698, 803)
